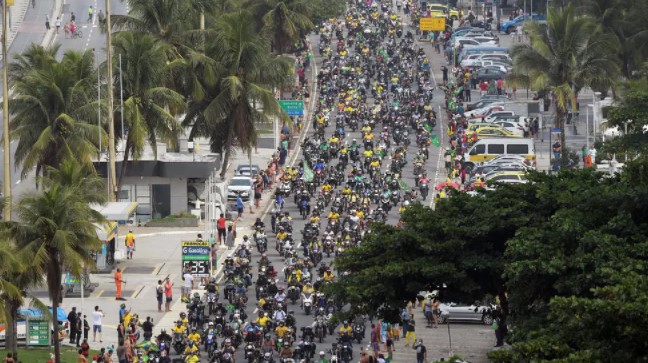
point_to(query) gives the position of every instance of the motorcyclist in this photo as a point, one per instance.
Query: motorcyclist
(328, 275)
(281, 330)
(280, 296)
(212, 287)
(194, 336)
(191, 348)
(179, 328)
(258, 224)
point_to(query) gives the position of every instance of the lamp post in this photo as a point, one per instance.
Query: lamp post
(5, 111)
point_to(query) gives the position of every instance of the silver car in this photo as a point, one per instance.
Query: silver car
(466, 313)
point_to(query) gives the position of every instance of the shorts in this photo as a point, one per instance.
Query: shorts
(96, 328)
(159, 299)
(240, 210)
(375, 346)
(169, 298)
(130, 248)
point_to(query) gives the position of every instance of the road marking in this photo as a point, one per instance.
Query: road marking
(157, 269)
(100, 293)
(18, 182)
(440, 158)
(137, 292)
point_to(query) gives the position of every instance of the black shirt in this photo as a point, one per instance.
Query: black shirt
(147, 326)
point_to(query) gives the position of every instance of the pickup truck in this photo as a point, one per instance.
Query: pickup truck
(510, 25)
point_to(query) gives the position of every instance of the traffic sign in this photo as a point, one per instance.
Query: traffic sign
(38, 332)
(196, 257)
(292, 107)
(556, 130)
(432, 24)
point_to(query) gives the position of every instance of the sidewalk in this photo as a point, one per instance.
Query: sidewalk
(470, 341)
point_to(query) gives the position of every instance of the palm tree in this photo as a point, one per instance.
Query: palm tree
(57, 230)
(150, 106)
(563, 56)
(286, 21)
(54, 108)
(18, 278)
(240, 94)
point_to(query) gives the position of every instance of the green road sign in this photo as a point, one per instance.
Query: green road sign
(292, 107)
(195, 257)
(38, 333)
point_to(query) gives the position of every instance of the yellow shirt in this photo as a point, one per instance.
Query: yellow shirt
(346, 330)
(299, 274)
(262, 321)
(375, 164)
(369, 136)
(328, 276)
(192, 359)
(368, 153)
(327, 187)
(360, 214)
(307, 289)
(333, 215)
(282, 236)
(189, 349)
(194, 337)
(130, 239)
(179, 329)
(281, 331)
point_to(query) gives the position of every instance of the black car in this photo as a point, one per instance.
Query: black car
(488, 74)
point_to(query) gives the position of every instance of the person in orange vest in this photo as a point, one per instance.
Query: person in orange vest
(118, 284)
(129, 241)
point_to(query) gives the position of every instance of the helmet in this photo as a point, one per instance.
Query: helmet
(245, 238)
(322, 352)
(191, 343)
(228, 341)
(179, 322)
(267, 355)
(346, 322)
(211, 323)
(122, 306)
(163, 331)
(183, 315)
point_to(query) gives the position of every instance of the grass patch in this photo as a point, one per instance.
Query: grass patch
(42, 354)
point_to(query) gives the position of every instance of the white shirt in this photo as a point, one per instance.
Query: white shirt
(96, 317)
(188, 279)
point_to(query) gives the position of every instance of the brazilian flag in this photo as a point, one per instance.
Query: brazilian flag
(403, 185)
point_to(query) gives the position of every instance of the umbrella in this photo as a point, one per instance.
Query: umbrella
(447, 184)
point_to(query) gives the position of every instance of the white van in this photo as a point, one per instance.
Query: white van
(487, 149)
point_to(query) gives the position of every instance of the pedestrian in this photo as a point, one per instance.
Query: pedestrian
(411, 331)
(79, 330)
(258, 190)
(72, 318)
(444, 70)
(121, 352)
(187, 277)
(81, 358)
(168, 293)
(220, 225)
(230, 238)
(421, 352)
(159, 295)
(9, 358)
(239, 206)
(467, 97)
(57, 23)
(283, 153)
(557, 148)
(118, 284)
(390, 347)
(500, 83)
(85, 347)
(375, 344)
(90, 12)
(129, 241)
(72, 29)
(97, 317)
(47, 23)
(147, 327)
(86, 328)
(66, 30)
(72, 16)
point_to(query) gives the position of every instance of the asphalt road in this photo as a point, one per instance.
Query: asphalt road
(431, 166)
(32, 31)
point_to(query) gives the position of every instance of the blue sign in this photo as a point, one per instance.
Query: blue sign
(195, 250)
(556, 129)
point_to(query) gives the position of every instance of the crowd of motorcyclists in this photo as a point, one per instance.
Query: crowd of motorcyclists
(372, 109)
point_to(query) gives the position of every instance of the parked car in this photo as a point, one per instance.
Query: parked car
(484, 101)
(466, 313)
(509, 26)
(440, 8)
(240, 185)
(489, 74)
(511, 127)
(484, 111)
(495, 116)
(247, 170)
(505, 176)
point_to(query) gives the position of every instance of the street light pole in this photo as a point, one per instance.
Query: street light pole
(5, 110)
(112, 180)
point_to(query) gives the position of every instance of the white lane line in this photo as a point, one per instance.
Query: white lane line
(441, 152)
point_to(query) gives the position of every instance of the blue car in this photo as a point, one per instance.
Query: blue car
(510, 25)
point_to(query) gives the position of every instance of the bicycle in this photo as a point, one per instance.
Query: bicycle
(77, 34)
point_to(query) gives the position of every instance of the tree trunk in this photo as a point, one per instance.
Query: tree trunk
(11, 335)
(123, 171)
(55, 304)
(225, 160)
(504, 307)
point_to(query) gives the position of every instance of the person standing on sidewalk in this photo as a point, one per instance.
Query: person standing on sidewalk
(118, 284)
(188, 284)
(168, 293)
(129, 241)
(239, 206)
(47, 23)
(159, 294)
(72, 317)
(57, 23)
(421, 352)
(411, 332)
(97, 316)
(230, 238)
(222, 229)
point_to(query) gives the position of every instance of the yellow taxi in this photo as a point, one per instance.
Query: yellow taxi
(507, 177)
(443, 9)
(493, 131)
